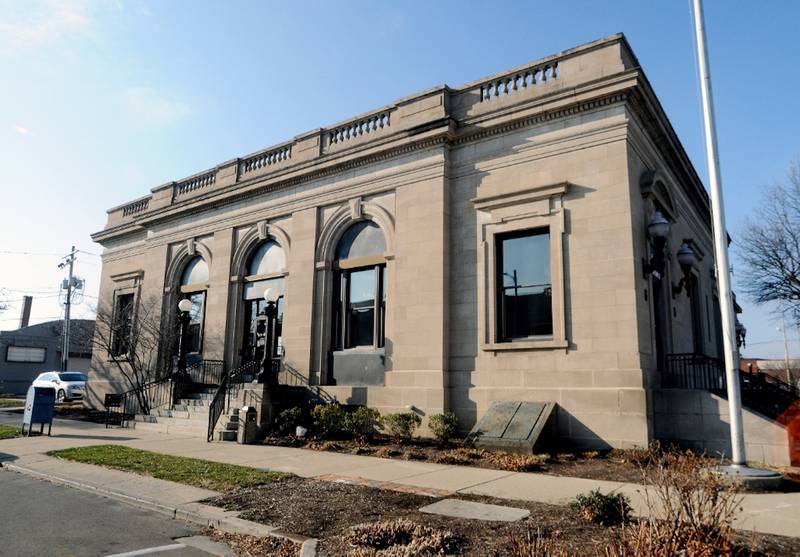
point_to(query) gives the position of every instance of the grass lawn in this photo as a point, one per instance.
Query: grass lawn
(12, 402)
(8, 432)
(191, 471)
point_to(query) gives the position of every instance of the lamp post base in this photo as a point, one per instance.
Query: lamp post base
(747, 477)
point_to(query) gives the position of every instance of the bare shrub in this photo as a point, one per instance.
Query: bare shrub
(400, 538)
(690, 510)
(533, 543)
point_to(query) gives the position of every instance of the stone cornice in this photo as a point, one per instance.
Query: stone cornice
(587, 78)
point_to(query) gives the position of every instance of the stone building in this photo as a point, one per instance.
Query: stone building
(456, 247)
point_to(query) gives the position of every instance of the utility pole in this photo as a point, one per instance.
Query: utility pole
(786, 353)
(70, 261)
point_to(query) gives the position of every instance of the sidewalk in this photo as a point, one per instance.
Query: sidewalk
(765, 513)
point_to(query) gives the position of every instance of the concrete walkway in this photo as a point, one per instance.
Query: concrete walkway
(765, 513)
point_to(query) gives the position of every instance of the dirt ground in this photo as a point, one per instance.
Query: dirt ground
(327, 510)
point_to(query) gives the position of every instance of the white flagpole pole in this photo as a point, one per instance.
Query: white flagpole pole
(720, 245)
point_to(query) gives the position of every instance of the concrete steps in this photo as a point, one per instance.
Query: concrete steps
(189, 416)
(230, 428)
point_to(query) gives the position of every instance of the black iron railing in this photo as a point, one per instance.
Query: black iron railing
(693, 371)
(206, 372)
(165, 391)
(767, 394)
(229, 386)
(763, 393)
(150, 396)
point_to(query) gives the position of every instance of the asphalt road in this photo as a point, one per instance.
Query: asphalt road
(39, 519)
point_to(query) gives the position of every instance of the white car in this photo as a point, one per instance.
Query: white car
(69, 385)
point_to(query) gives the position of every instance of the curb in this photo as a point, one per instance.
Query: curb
(196, 513)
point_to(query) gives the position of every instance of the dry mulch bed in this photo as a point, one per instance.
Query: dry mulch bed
(613, 465)
(252, 546)
(328, 510)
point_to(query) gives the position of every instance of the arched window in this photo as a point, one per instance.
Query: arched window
(359, 310)
(194, 282)
(268, 258)
(195, 272)
(266, 269)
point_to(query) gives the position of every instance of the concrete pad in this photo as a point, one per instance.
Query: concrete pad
(476, 511)
(539, 487)
(455, 478)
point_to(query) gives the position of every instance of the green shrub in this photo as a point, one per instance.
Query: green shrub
(328, 419)
(288, 420)
(443, 426)
(363, 422)
(402, 425)
(606, 510)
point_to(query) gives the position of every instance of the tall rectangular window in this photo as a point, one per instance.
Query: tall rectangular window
(122, 325)
(359, 310)
(525, 292)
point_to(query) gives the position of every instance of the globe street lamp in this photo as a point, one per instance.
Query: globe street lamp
(686, 259)
(658, 230)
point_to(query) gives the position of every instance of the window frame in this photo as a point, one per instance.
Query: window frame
(112, 352)
(340, 332)
(504, 225)
(499, 239)
(43, 360)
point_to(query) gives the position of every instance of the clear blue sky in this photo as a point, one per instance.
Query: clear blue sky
(102, 101)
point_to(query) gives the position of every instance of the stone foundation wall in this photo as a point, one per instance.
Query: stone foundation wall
(699, 420)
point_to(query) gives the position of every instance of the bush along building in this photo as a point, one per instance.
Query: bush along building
(538, 235)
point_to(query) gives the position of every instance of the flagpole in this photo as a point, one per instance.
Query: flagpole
(720, 245)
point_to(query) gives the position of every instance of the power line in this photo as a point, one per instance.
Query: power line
(48, 254)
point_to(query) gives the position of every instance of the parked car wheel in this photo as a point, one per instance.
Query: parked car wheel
(60, 397)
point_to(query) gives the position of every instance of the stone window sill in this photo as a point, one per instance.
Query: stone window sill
(538, 344)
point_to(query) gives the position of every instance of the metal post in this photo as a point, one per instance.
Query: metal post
(67, 303)
(786, 353)
(720, 245)
(183, 318)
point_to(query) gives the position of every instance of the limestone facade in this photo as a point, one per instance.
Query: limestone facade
(576, 143)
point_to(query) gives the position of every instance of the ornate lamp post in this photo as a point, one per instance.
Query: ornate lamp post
(267, 375)
(184, 307)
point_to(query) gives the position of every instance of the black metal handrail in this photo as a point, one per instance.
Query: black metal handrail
(228, 385)
(145, 398)
(206, 372)
(694, 371)
(294, 378)
(763, 393)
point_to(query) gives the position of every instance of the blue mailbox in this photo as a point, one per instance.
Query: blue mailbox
(39, 408)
